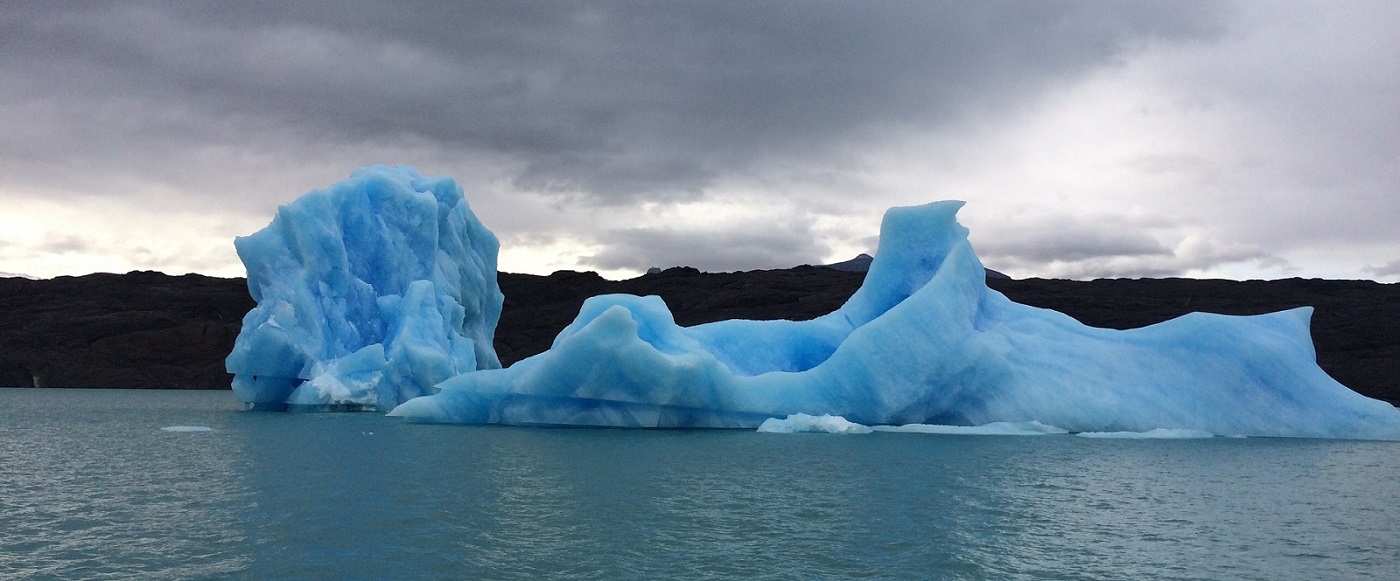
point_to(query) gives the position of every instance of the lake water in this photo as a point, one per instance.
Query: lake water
(92, 487)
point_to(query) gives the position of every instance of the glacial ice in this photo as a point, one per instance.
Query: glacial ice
(923, 341)
(809, 424)
(369, 293)
(1031, 428)
(380, 292)
(829, 424)
(1154, 434)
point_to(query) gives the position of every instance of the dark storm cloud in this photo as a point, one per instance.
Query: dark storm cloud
(609, 101)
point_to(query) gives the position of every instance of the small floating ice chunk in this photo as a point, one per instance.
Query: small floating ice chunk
(1031, 428)
(187, 429)
(809, 424)
(1157, 434)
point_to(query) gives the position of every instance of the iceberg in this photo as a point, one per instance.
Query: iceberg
(923, 341)
(1031, 428)
(187, 429)
(828, 424)
(809, 424)
(1154, 434)
(368, 294)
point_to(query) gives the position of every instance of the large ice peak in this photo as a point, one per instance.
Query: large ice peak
(924, 341)
(369, 293)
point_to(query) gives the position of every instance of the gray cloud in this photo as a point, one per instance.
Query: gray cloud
(609, 101)
(1389, 269)
(1106, 246)
(1257, 132)
(62, 244)
(1076, 245)
(746, 247)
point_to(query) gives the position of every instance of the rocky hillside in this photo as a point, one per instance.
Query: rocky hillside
(141, 329)
(146, 329)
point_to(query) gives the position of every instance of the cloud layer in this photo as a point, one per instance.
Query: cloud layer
(1091, 138)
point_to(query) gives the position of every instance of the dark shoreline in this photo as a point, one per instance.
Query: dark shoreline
(151, 330)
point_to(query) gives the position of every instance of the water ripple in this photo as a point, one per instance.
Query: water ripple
(94, 489)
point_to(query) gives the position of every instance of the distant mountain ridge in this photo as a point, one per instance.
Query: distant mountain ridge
(861, 263)
(147, 329)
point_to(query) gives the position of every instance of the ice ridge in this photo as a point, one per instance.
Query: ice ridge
(923, 341)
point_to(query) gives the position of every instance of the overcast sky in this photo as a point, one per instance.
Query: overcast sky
(1090, 139)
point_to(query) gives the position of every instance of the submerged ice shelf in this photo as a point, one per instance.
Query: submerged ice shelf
(827, 424)
(382, 289)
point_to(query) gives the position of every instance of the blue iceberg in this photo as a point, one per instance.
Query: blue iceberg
(369, 293)
(923, 341)
(380, 293)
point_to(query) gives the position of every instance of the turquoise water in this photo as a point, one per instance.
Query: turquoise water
(92, 487)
